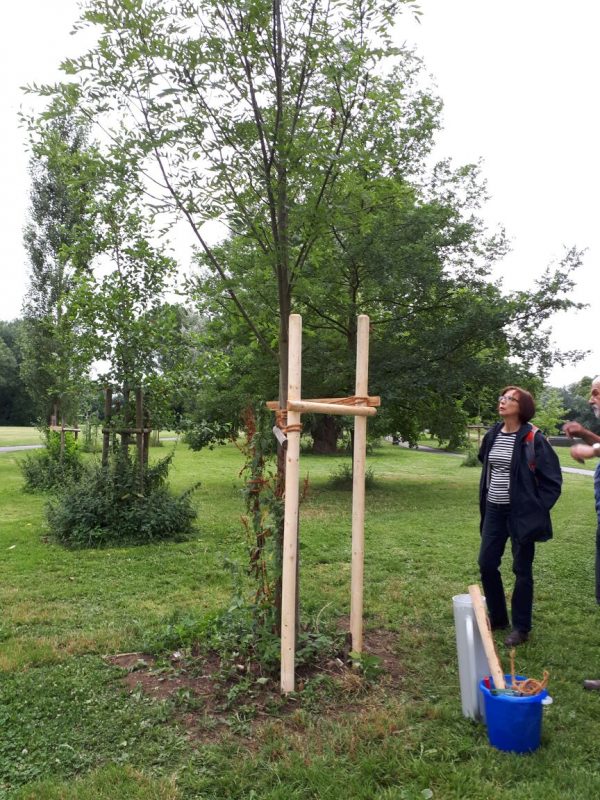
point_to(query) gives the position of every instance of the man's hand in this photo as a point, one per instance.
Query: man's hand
(573, 429)
(582, 451)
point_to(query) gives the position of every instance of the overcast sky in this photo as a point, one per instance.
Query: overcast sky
(519, 85)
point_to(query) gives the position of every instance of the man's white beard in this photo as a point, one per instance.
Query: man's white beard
(596, 411)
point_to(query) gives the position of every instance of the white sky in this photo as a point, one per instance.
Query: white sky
(519, 84)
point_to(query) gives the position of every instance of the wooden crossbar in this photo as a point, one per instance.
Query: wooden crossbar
(310, 407)
(127, 430)
(59, 428)
(372, 402)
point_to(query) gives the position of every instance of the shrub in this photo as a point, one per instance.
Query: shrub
(470, 459)
(341, 477)
(90, 430)
(51, 468)
(111, 505)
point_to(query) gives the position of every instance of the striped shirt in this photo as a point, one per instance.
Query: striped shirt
(500, 458)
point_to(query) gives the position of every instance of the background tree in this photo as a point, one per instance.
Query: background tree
(575, 399)
(550, 412)
(128, 332)
(119, 306)
(418, 262)
(16, 407)
(52, 365)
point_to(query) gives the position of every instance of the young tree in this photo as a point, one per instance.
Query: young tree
(127, 329)
(251, 113)
(263, 116)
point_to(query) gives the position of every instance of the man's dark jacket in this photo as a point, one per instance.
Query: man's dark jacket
(533, 492)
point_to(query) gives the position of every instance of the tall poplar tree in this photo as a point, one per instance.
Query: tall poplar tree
(52, 367)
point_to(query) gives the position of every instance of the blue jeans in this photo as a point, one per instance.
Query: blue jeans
(494, 535)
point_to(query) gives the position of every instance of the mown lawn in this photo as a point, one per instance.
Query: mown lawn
(17, 435)
(13, 435)
(70, 731)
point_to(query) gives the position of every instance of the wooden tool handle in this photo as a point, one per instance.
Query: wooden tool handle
(486, 637)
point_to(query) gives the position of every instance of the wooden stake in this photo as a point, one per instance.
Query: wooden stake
(486, 637)
(290, 527)
(358, 487)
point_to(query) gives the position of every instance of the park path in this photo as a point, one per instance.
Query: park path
(424, 448)
(13, 447)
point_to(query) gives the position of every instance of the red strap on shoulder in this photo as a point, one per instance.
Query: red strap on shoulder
(531, 433)
(529, 445)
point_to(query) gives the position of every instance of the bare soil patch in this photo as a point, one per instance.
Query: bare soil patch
(209, 702)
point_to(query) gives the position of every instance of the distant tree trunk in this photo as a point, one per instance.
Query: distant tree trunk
(324, 432)
(126, 423)
(106, 425)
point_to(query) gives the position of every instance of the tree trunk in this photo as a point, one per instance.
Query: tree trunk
(324, 432)
(284, 302)
(106, 427)
(126, 423)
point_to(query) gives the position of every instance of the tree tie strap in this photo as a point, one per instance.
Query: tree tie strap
(530, 686)
(281, 418)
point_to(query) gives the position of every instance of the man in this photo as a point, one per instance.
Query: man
(590, 449)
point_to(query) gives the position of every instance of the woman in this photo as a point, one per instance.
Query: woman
(520, 482)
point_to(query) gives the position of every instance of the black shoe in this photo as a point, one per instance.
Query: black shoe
(592, 685)
(515, 638)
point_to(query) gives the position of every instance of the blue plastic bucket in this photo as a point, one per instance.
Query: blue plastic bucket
(514, 724)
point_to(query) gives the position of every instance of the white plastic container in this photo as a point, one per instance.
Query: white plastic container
(472, 661)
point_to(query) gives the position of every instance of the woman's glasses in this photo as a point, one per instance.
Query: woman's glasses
(509, 398)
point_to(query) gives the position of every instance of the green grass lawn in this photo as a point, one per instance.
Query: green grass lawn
(69, 730)
(10, 435)
(566, 460)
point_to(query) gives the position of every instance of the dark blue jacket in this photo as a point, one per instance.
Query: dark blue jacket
(532, 492)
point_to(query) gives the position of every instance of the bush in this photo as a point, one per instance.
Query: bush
(108, 506)
(51, 469)
(470, 459)
(341, 477)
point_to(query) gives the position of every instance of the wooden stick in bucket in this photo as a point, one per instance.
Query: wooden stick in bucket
(486, 637)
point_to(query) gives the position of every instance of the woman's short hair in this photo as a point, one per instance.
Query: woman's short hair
(526, 402)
